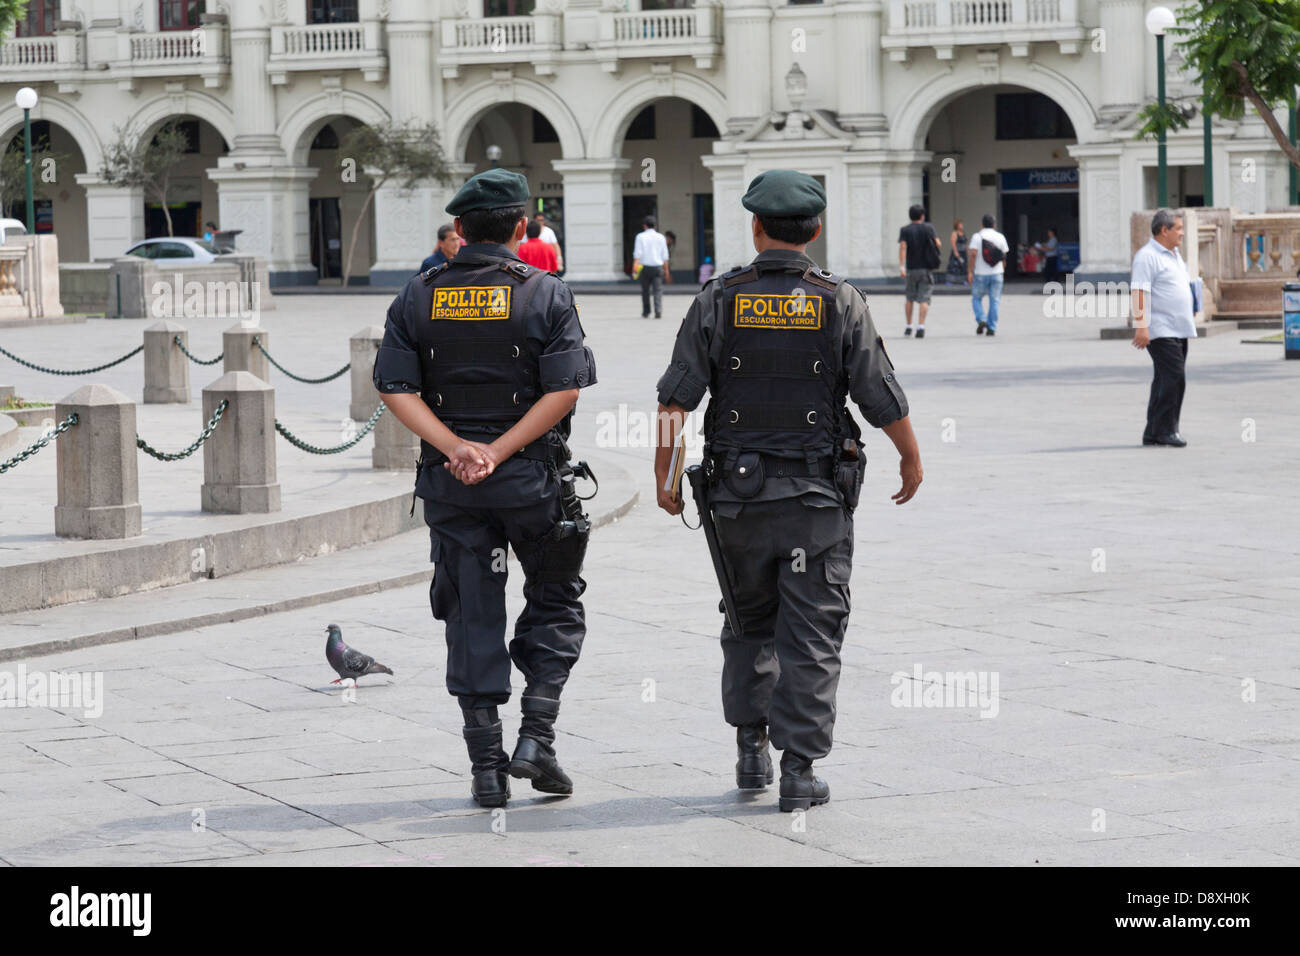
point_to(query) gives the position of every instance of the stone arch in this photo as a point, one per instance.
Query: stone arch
(61, 114)
(300, 127)
(469, 107)
(199, 105)
(908, 128)
(612, 124)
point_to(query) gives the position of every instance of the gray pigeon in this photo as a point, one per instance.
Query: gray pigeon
(348, 661)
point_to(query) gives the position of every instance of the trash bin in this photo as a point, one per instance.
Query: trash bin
(1291, 319)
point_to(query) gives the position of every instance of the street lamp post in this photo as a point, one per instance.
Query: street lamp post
(1207, 147)
(1295, 187)
(1159, 20)
(25, 99)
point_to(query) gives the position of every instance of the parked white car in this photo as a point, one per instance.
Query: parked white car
(175, 250)
(10, 228)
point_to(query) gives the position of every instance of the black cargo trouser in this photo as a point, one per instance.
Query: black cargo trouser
(469, 594)
(1168, 383)
(790, 566)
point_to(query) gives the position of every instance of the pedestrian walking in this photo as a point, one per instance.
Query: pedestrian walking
(957, 241)
(537, 253)
(1164, 316)
(918, 254)
(649, 257)
(449, 243)
(985, 268)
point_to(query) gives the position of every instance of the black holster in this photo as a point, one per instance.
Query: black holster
(849, 476)
(556, 557)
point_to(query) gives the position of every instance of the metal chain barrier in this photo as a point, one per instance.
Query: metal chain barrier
(315, 450)
(83, 371)
(44, 440)
(299, 378)
(176, 340)
(208, 429)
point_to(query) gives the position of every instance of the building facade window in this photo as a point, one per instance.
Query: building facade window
(1031, 116)
(702, 125)
(643, 124)
(39, 19)
(543, 131)
(332, 11)
(508, 8)
(667, 4)
(179, 14)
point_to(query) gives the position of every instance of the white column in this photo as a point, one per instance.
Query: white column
(858, 64)
(250, 87)
(1104, 236)
(407, 220)
(269, 204)
(593, 218)
(732, 234)
(114, 217)
(867, 177)
(1122, 64)
(747, 37)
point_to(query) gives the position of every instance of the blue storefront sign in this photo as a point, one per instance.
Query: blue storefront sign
(1043, 179)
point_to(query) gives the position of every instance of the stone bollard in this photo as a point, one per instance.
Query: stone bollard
(396, 446)
(362, 348)
(242, 355)
(99, 487)
(166, 369)
(239, 457)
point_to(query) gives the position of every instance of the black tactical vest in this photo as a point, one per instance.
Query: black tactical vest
(778, 380)
(478, 368)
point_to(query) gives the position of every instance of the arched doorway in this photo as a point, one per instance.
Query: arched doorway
(336, 206)
(60, 204)
(190, 196)
(1003, 150)
(518, 137)
(664, 141)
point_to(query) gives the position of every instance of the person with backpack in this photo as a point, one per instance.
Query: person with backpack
(986, 264)
(918, 253)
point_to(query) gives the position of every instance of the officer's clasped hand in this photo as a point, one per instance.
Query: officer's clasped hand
(470, 462)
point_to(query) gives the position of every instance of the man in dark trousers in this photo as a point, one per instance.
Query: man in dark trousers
(780, 345)
(483, 357)
(918, 253)
(1164, 316)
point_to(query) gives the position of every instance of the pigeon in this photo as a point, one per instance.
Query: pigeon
(348, 661)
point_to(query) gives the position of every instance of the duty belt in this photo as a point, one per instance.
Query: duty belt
(775, 466)
(539, 450)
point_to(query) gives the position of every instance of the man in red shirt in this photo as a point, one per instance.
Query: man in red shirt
(537, 253)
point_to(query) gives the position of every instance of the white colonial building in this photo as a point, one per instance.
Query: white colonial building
(614, 109)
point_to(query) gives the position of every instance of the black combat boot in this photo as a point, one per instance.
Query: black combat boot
(799, 788)
(534, 757)
(488, 760)
(754, 766)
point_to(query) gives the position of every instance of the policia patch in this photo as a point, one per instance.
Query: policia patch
(471, 303)
(778, 311)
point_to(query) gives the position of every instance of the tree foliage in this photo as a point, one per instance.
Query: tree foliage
(11, 11)
(408, 153)
(1245, 53)
(13, 173)
(133, 161)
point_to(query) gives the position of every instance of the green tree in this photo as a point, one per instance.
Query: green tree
(11, 11)
(13, 173)
(132, 161)
(409, 153)
(1244, 52)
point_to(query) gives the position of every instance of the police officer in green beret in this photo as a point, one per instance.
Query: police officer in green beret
(780, 345)
(483, 358)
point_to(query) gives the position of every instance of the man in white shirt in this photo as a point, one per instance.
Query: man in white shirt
(985, 265)
(548, 236)
(1164, 316)
(650, 252)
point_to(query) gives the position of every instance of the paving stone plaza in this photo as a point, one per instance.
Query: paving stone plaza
(1129, 615)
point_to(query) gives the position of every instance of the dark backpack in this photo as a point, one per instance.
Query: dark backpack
(992, 254)
(932, 259)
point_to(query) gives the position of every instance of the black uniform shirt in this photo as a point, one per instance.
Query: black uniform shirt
(551, 327)
(872, 384)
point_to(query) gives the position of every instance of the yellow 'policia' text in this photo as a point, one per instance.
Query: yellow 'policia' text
(471, 303)
(779, 311)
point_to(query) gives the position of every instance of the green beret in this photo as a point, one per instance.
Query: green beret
(784, 193)
(491, 189)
